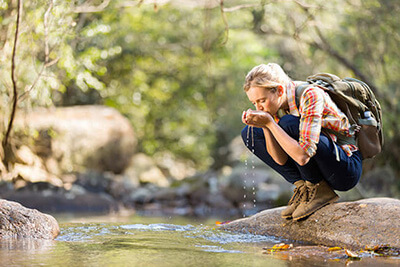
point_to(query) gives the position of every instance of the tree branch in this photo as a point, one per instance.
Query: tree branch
(87, 8)
(221, 4)
(47, 63)
(46, 31)
(235, 8)
(325, 45)
(40, 74)
(13, 79)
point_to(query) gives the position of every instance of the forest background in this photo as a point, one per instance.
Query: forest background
(175, 69)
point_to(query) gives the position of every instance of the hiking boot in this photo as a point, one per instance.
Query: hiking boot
(294, 200)
(315, 197)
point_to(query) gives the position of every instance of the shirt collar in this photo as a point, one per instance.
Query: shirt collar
(291, 96)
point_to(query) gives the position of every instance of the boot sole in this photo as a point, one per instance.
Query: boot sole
(333, 200)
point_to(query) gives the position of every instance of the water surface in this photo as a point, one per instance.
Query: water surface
(141, 241)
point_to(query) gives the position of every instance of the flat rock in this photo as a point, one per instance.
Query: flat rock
(352, 225)
(16, 221)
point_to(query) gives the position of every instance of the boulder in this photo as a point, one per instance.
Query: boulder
(353, 225)
(174, 168)
(81, 137)
(143, 169)
(17, 221)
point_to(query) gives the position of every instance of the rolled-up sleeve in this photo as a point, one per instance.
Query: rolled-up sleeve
(311, 111)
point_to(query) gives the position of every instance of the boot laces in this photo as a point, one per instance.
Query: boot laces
(298, 192)
(310, 193)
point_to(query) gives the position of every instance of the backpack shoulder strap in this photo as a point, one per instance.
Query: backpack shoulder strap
(299, 90)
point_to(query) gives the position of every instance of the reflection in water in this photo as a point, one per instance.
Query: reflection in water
(13, 252)
(32, 245)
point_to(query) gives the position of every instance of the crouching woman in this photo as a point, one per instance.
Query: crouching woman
(299, 139)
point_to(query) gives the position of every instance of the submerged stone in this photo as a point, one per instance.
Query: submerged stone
(353, 225)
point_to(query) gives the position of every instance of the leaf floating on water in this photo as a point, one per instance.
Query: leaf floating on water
(383, 250)
(352, 254)
(279, 247)
(221, 223)
(334, 248)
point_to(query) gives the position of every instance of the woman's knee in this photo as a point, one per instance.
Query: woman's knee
(290, 124)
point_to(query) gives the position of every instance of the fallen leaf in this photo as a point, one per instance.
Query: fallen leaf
(221, 223)
(334, 248)
(351, 254)
(383, 250)
(279, 247)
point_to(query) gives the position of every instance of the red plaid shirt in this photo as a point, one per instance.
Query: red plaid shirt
(316, 111)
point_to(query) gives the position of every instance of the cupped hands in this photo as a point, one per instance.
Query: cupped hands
(257, 118)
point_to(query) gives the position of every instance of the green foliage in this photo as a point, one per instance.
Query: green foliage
(175, 80)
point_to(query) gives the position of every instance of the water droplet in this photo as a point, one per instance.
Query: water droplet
(252, 137)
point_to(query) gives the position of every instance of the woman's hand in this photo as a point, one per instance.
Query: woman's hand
(257, 118)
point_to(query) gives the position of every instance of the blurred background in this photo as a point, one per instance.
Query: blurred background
(110, 106)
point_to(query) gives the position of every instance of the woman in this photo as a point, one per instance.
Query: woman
(300, 141)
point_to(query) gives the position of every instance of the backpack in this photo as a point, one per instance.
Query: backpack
(357, 101)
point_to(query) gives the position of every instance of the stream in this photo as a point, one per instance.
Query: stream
(152, 241)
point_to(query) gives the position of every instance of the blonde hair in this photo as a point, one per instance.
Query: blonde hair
(267, 76)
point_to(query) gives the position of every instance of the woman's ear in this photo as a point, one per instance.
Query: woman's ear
(280, 90)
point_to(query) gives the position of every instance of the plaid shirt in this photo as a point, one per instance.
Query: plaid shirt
(316, 111)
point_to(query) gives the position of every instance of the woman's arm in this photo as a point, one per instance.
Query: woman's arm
(273, 148)
(288, 144)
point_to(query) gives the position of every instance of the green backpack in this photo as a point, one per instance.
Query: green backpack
(357, 101)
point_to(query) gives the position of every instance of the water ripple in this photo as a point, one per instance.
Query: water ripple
(158, 227)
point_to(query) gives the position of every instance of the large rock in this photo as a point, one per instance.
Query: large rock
(143, 169)
(17, 221)
(353, 225)
(82, 137)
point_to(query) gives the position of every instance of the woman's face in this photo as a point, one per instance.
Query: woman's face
(264, 99)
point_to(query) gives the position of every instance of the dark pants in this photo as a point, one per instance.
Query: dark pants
(341, 175)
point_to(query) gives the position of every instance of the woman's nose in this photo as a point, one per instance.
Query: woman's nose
(259, 107)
